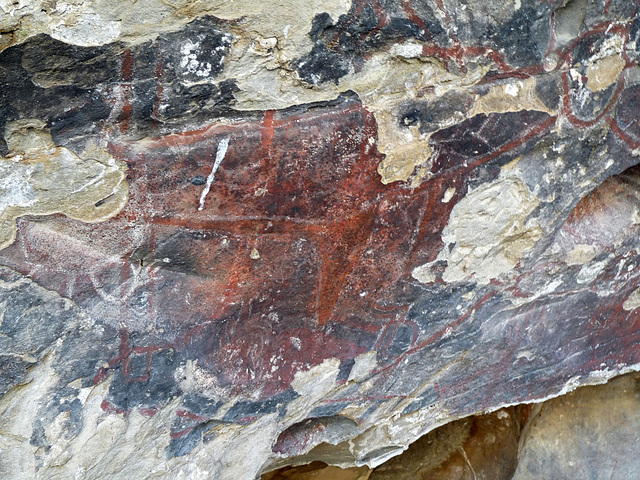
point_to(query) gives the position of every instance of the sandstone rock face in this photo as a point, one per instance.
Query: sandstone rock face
(482, 447)
(237, 236)
(590, 433)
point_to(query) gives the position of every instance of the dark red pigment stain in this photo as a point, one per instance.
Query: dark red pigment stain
(298, 254)
(335, 250)
(290, 251)
(125, 94)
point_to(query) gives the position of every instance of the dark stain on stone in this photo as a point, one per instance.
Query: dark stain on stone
(321, 65)
(76, 89)
(341, 47)
(548, 90)
(524, 38)
(137, 385)
(248, 411)
(432, 115)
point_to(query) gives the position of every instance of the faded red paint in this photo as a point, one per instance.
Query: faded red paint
(336, 246)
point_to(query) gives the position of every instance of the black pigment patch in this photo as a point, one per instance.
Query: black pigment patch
(136, 388)
(328, 410)
(13, 370)
(194, 101)
(63, 401)
(548, 89)
(183, 442)
(75, 90)
(197, 52)
(341, 46)
(321, 65)
(246, 411)
(523, 39)
(431, 115)
(345, 369)
(52, 63)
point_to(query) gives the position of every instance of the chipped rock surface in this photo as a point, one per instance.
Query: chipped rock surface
(241, 235)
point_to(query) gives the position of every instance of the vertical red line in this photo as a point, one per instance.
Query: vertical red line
(151, 316)
(268, 131)
(445, 14)
(124, 353)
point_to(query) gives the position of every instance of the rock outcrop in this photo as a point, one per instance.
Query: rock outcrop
(241, 235)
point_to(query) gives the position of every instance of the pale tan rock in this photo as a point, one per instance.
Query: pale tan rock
(489, 231)
(590, 433)
(39, 178)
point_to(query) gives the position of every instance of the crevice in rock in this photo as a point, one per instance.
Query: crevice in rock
(476, 447)
(587, 433)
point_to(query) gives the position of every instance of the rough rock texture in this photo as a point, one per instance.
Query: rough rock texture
(482, 447)
(318, 471)
(239, 236)
(590, 433)
(477, 448)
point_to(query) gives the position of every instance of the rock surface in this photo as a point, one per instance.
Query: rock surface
(478, 447)
(318, 471)
(240, 236)
(474, 448)
(590, 433)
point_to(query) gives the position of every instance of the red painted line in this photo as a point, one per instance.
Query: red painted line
(125, 351)
(415, 18)
(191, 137)
(436, 336)
(127, 66)
(106, 406)
(517, 142)
(181, 433)
(191, 416)
(445, 14)
(268, 132)
(567, 111)
(624, 136)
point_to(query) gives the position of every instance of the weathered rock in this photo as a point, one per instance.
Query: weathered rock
(346, 224)
(590, 433)
(478, 447)
(318, 471)
(482, 447)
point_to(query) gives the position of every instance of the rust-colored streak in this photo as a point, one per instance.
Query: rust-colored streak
(268, 131)
(273, 182)
(345, 243)
(415, 18)
(127, 66)
(127, 107)
(297, 237)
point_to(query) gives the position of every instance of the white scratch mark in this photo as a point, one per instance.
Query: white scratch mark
(222, 150)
